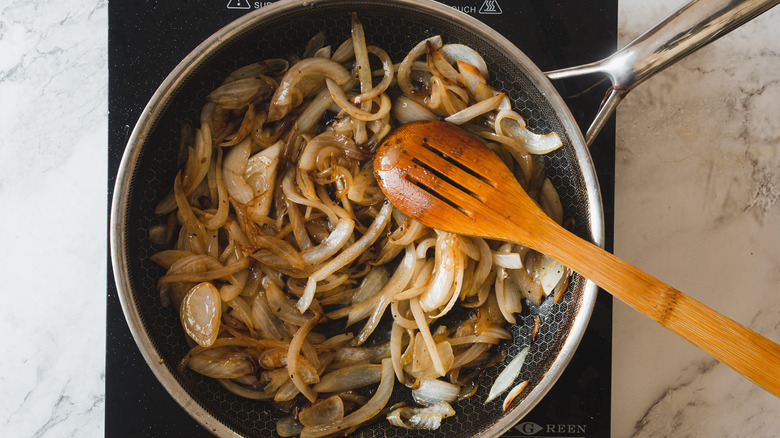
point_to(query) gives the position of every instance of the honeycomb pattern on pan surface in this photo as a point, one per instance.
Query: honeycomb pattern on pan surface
(396, 30)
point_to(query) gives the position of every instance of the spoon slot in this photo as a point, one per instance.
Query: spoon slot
(430, 191)
(455, 183)
(458, 163)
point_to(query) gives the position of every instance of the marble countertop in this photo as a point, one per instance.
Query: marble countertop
(696, 204)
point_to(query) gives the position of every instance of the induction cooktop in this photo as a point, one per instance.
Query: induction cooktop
(147, 39)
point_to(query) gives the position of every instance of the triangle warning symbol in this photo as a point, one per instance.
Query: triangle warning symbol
(490, 7)
(238, 4)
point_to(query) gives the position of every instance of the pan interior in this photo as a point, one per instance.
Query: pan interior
(396, 29)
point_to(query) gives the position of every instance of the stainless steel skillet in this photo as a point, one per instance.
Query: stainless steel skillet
(149, 164)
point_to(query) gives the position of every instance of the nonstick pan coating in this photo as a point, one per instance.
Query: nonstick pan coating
(149, 166)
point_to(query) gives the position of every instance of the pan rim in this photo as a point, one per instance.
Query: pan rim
(136, 141)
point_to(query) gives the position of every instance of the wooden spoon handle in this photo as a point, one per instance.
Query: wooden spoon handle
(744, 350)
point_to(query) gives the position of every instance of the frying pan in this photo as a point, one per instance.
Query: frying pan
(149, 165)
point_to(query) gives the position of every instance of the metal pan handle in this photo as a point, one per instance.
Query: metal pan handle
(683, 32)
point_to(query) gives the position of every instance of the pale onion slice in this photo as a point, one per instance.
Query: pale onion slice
(540, 143)
(421, 418)
(546, 271)
(272, 358)
(434, 391)
(551, 202)
(396, 339)
(508, 260)
(407, 110)
(511, 124)
(307, 120)
(513, 298)
(200, 313)
(281, 306)
(233, 166)
(362, 64)
(459, 52)
(475, 110)
(344, 52)
(372, 283)
(428, 343)
(500, 292)
(469, 355)
(530, 289)
(440, 290)
(269, 326)
(260, 175)
(508, 375)
(331, 245)
(483, 269)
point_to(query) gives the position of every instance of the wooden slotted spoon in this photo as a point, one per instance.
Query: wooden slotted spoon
(447, 179)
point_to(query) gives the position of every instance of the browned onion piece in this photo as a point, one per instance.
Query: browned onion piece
(239, 93)
(356, 355)
(273, 67)
(293, 358)
(244, 392)
(348, 378)
(364, 413)
(326, 411)
(282, 100)
(288, 427)
(282, 308)
(220, 364)
(338, 96)
(405, 69)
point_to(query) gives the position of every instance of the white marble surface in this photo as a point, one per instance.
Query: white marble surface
(53, 158)
(698, 182)
(697, 190)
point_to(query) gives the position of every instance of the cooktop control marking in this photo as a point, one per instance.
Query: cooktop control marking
(247, 4)
(490, 7)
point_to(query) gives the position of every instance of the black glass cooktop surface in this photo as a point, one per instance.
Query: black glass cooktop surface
(147, 39)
